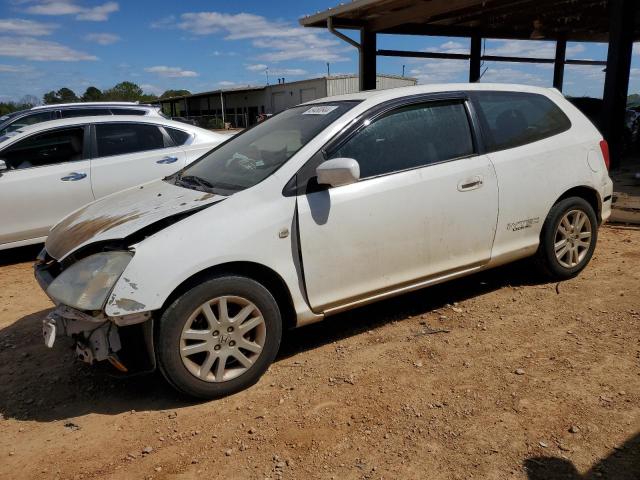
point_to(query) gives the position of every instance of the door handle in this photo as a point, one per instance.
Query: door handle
(470, 183)
(74, 177)
(167, 160)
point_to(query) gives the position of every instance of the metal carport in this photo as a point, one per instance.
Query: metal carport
(614, 21)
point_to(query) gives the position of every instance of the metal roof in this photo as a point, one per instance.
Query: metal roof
(578, 20)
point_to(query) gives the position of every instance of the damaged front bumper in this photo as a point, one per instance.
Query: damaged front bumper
(98, 338)
(124, 341)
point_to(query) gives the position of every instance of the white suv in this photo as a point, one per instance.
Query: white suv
(324, 207)
(44, 113)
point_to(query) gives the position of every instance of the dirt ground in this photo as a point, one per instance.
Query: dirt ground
(498, 375)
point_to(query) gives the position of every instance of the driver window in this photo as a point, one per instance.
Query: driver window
(409, 137)
(58, 146)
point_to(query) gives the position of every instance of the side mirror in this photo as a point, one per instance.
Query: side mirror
(3, 166)
(338, 171)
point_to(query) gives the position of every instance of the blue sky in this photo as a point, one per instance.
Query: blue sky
(203, 45)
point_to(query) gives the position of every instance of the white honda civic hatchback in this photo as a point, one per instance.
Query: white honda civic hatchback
(324, 207)
(52, 168)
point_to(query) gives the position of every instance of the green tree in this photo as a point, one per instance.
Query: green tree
(92, 94)
(124, 92)
(175, 93)
(66, 95)
(148, 98)
(50, 98)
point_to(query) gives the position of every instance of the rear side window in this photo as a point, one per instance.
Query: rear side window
(50, 148)
(31, 119)
(122, 138)
(179, 137)
(127, 111)
(84, 112)
(512, 119)
(410, 137)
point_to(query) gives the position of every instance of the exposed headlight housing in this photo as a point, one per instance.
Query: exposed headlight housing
(86, 284)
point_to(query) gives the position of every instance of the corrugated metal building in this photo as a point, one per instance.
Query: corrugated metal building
(242, 106)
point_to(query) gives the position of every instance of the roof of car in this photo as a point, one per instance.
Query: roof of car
(391, 93)
(91, 104)
(69, 122)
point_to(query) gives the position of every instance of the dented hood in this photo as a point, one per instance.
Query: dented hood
(121, 214)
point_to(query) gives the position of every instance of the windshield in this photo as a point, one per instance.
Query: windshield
(249, 158)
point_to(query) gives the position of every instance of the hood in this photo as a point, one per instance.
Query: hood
(121, 214)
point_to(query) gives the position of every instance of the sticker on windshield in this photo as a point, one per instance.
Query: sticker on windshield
(320, 110)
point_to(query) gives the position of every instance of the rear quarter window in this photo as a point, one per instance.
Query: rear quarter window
(512, 119)
(179, 137)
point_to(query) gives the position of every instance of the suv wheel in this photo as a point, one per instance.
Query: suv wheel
(219, 337)
(568, 238)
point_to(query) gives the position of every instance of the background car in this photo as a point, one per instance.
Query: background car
(23, 118)
(52, 168)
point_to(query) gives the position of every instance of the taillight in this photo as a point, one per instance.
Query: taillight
(604, 146)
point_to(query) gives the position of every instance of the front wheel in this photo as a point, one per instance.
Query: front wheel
(219, 337)
(568, 238)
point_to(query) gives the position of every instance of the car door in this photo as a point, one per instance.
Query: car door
(425, 206)
(529, 141)
(48, 177)
(125, 154)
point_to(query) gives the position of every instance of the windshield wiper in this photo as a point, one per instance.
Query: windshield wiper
(194, 180)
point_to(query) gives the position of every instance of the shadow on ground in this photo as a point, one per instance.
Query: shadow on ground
(19, 255)
(622, 464)
(48, 384)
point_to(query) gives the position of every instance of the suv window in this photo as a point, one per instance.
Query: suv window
(512, 119)
(30, 119)
(127, 111)
(179, 137)
(409, 137)
(58, 146)
(121, 138)
(84, 112)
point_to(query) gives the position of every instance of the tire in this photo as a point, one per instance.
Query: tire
(189, 335)
(561, 266)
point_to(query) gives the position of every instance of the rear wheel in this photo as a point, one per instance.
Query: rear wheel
(568, 238)
(219, 337)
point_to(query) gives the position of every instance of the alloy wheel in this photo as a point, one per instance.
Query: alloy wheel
(222, 338)
(573, 238)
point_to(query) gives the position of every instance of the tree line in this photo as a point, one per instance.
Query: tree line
(122, 92)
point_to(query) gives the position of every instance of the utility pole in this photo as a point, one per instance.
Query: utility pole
(266, 71)
(403, 70)
(328, 70)
(222, 106)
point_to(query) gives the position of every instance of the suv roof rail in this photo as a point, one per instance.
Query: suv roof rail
(92, 104)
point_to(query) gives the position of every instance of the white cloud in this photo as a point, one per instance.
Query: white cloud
(636, 48)
(512, 75)
(282, 41)
(261, 67)
(439, 71)
(218, 53)
(258, 67)
(18, 26)
(151, 89)
(226, 83)
(99, 13)
(171, 72)
(39, 50)
(14, 68)
(528, 48)
(102, 38)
